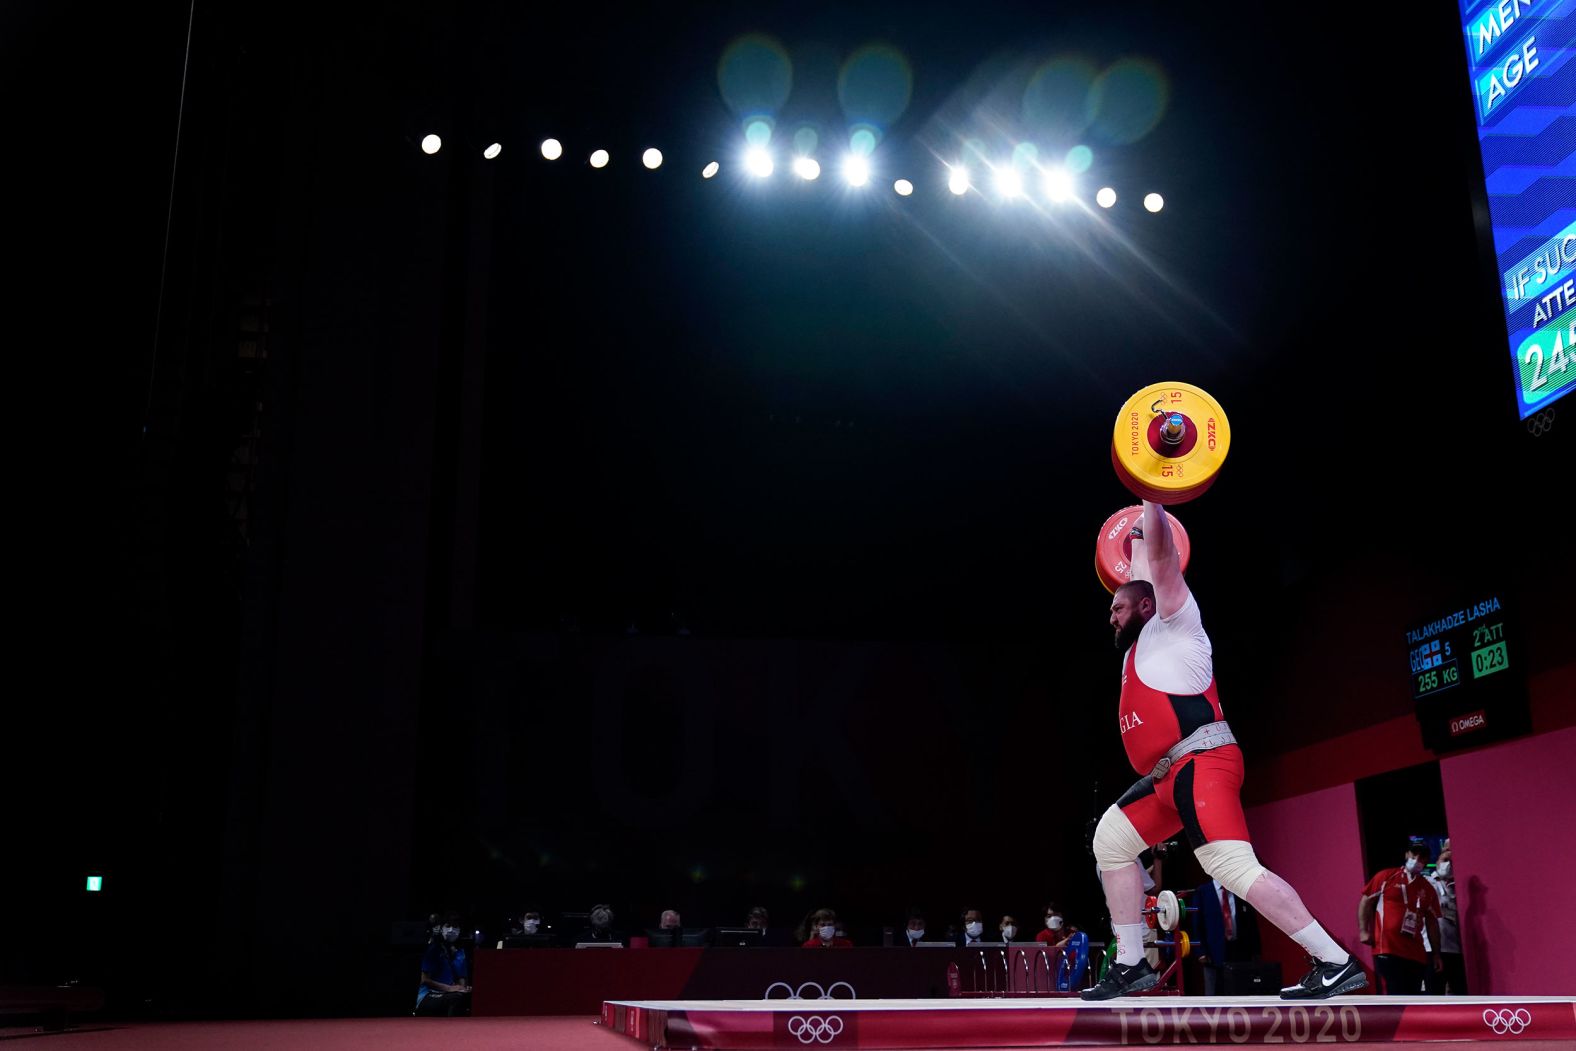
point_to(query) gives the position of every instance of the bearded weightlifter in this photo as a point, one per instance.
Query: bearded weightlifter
(1191, 776)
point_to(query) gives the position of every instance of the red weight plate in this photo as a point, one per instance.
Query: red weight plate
(1113, 548)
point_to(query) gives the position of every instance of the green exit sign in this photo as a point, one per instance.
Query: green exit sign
(95, 884)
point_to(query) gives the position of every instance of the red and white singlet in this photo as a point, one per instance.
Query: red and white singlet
(1168, 686)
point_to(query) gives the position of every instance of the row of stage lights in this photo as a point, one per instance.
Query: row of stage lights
(1057, 183)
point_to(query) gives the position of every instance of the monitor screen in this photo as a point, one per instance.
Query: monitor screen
(747, 936)
(1523, 80)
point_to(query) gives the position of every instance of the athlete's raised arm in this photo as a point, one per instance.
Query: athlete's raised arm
(1162, 566)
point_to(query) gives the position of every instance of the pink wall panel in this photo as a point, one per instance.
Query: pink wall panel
(1514, 839)
(1312, 841)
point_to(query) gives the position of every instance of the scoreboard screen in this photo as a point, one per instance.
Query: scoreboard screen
(1466, 677)
(1521, 55)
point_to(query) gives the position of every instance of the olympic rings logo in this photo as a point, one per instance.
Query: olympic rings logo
(1542, 423)
(827, 993)
(1506, 1021)
(813, 1029)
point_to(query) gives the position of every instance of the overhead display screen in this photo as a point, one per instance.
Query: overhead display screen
(1466, 674)
(1524, 92)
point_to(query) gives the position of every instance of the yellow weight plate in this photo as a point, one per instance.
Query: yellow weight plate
(1169, 442)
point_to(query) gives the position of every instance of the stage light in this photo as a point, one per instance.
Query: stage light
(1105, 197)
(1058, 184)
(856, 169)
(710, 170)
(652, 158)
(95, 884)
(807, 168)
(958, 181)
(492, 151)
(599, 159)
(758, 162)
(1009, 183)
(431, 144)
(1154, 202)
(903, 187)
(552, 149)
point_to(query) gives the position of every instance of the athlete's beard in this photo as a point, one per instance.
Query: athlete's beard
(1127, 634)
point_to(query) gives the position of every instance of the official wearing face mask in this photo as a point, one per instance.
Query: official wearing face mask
(973, 928)
(1055, 930)
(445, 987)
(1007, 927)
(1407, 908)
(1452, 980)
(914, 932)
(821, 931)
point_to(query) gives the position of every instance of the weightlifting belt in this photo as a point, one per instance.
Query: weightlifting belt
(1210, 735)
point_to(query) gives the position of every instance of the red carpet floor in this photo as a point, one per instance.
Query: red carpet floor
(425, 1034)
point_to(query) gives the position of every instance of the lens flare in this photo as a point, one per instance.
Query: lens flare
(856, 169)
(1154, 202)
(758, 162)
(1105, 197)
(1058, 185)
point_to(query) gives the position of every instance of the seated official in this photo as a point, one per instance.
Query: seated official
(1055, 931)
(913, 931)
(601, 929)
(973, 932)
(1225, 929)
(821, 931)
(445, 989)
(1007, 928)
(760, 919)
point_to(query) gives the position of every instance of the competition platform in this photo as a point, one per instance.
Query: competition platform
(1137, 1021)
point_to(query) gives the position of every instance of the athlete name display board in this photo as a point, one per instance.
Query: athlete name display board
(1465, 676)
(1520, 53)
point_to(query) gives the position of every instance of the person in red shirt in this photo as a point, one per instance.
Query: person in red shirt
(1190, 776)
(1406, 905)
(1055, 932)
(821, 929)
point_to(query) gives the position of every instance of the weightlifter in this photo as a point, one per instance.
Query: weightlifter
(1191, 775)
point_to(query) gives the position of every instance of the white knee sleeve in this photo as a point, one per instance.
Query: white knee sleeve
(1231, 861)
(1116, 841)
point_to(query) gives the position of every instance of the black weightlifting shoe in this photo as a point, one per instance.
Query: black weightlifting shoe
(1123, 980)
(1326, 980)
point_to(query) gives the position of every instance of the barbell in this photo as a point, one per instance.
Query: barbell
(1169, 442)
(1164, 911)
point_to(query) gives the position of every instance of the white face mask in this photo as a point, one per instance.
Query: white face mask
(1053, 923)
(1443, 869)
(916, 935)
(1008, 933)
(1411, 864)
(827, 933)
(974, 930)
(531, 926)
